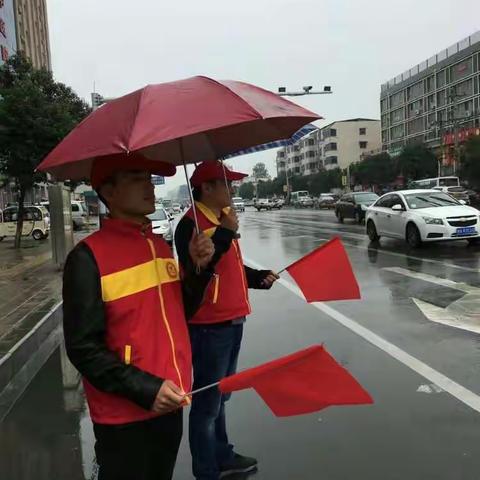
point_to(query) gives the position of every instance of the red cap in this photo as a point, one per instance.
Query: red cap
(213, 170)
(105, 167)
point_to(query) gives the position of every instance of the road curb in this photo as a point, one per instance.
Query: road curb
(21, 363)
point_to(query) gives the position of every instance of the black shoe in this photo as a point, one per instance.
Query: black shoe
(239, 464)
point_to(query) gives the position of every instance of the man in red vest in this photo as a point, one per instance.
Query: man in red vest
(124, 324)
(216, 327)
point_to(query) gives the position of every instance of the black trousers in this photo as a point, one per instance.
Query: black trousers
(144, 450)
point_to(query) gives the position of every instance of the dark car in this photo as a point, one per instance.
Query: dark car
(354, 205)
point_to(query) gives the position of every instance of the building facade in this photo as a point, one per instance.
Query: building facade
(438, 97)
(337, 145)
(301, 158)
(32, 31)
(8, 38)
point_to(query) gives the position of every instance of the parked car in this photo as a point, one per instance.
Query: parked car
(422, 216)
(325, 200)
(162, 224)
(239, 204)
(36, 222)
(354, 205)
(278, 203)
(459, 193)
(249, 203)
(263, 204)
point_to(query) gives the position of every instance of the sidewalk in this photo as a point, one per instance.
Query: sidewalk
(30, 292)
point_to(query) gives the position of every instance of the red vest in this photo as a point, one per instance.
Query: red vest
(226, 297)
(145, 322)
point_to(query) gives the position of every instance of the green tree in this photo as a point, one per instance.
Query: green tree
(35, 114)
(377, 169)
(470, 162)
(246, 190)
(417, 162)
(260, 171)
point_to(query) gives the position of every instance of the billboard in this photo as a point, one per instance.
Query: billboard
(8, 40)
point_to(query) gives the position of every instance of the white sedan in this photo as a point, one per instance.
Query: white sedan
(422, 216)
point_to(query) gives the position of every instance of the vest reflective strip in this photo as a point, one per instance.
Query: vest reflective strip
(242, 273)
(165, 319)
(139, 278)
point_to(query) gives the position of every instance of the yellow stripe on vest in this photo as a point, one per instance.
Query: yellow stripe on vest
(128, 354)
(209, 232)
(139, 278)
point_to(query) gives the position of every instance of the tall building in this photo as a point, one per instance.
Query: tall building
(336, 145)
(433, 100)
(8, 38)
(32, 31)
(301, 158)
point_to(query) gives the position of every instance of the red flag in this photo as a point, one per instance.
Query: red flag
(303, 382)
(325, 274)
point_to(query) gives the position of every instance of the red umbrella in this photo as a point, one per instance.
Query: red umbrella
(179, 122)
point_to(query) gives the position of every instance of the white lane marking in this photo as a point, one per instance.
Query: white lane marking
(456, 315)
(463, 287)
(380, 251)
(429, 388)
(458, 391)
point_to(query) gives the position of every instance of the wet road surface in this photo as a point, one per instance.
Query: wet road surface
(424, 374)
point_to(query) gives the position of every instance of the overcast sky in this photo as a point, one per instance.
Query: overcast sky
(352, 45)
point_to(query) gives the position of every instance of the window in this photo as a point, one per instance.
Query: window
(330, 146)
(311, 142)
(362, 131)
(462, 69)
(397, 115)
(441, 78)
(429, 84)
(465, 88)
(310, 154)
(331, 161)
(297, 169)
(75, 207)
(385, 202)
(415, 91)
(10, 215)
(396, 200)
(397, 99)
(363, 144)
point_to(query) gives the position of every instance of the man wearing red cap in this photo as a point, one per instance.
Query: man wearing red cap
(216, 327)
(125, 327)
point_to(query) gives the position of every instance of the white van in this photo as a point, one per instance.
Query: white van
(79, 214)
(36, 222)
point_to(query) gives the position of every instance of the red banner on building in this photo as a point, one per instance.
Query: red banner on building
(463, 135)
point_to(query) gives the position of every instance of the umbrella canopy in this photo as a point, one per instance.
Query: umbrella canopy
(186, 121)
(306, 130)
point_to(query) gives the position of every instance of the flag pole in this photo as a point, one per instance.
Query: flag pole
(207, 387)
